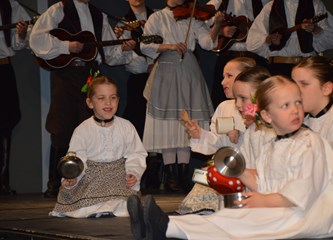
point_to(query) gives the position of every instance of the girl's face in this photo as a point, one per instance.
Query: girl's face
(315, 96)
(285, 113)
(104, 102)
(230, 72)
(243, 92)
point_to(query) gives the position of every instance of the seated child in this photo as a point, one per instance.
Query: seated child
(113, 155)
(288, 189)
(205, 200)
(314, 76)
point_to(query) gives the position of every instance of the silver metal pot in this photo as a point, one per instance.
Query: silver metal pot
(229, 162)
(229, 200)
(70, 166)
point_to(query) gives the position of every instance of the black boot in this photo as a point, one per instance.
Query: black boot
(135, 210)
(184, 181)
(54, 178)
(4, 166)
(156, 221)
(170, 178)
(152, 178)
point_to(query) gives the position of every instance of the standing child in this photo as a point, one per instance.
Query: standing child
(278, 206)
(113, 155)
(314, 76)
(176, 83)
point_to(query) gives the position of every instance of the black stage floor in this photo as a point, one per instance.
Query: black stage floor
(25, 216)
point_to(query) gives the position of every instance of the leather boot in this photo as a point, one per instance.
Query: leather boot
(5, 189)
(170, 178)
(54, 177)
(183, 178)
(153, 174)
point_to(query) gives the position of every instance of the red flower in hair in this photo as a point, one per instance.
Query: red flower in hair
(91, 77)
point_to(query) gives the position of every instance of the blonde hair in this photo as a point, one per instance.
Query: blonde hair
(244, 62)
(99, 81)
(263, 93)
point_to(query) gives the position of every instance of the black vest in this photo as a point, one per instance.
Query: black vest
(138, 32)
(256, 6)
(305, 10)
(6, 17)
(71, 21)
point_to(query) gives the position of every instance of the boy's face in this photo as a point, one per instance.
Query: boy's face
(175, 2)
(136, 3)
(104, 102)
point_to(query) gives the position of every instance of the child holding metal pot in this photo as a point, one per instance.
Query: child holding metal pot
(113, 155)
(291, 183)
(240, 85)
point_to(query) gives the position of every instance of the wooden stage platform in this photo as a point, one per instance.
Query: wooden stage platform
(25, 216)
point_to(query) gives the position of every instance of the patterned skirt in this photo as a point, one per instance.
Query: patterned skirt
(102, 182)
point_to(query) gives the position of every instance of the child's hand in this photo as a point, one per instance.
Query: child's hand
(69, 182)
(233, 136)
(193, 129)
(253, 200)
(130, 180)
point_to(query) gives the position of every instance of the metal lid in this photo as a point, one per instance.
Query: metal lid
(70, 166)
(229, 162)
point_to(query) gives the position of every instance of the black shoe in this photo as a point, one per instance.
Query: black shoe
(51, 193)
(7, 191)
(135, 211)
(156, 220)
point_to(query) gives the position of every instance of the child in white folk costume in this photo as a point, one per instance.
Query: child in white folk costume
(314, 76)
(204, 199)
(113, 155)
(291, 183)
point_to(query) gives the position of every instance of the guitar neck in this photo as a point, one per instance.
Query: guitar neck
(12, 25)
(313, 20)
(109, 43)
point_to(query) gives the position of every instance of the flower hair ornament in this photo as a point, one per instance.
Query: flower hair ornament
(91, 77)
(251, 113)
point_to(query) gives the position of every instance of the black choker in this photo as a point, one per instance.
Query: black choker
(325, 110)
(103, 122)
(288, 135)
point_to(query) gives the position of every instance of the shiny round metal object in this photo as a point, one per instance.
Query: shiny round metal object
(229, 200)
(70, 166)
(229, 162)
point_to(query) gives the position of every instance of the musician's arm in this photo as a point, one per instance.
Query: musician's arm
(257, 35)
(19, 41)
(114, 55)
(323, 40)
(41, 42)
